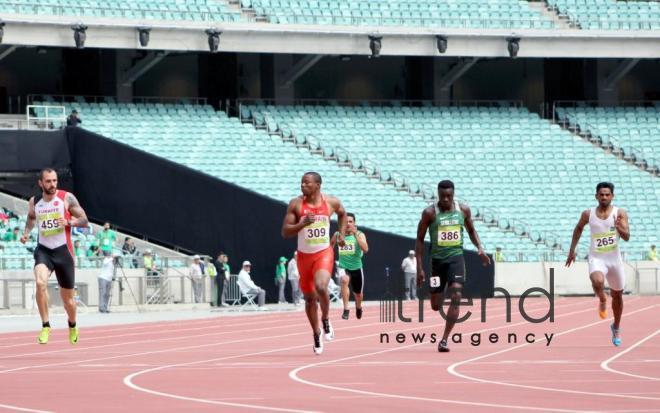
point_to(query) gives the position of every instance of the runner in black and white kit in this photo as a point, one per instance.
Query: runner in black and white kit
(54, 212)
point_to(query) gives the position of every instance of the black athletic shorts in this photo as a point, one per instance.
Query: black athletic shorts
(356, 278)
(59, 260)
(446, 272)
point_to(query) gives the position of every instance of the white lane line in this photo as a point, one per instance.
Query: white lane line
(22, 409)
(128, 380)
(294, 375)
(605, 364)
(452, 369)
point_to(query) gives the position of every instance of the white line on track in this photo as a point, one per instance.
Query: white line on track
(22, 409)
(452, 369)
(293, 374)
(128, 380)
(605, 364)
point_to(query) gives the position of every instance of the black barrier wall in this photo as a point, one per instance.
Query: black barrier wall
(179, 206)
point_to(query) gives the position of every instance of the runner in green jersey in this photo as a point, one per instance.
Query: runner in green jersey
(446, 222)
(350, 265)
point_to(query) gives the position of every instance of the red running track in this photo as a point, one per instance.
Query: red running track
(265, 362)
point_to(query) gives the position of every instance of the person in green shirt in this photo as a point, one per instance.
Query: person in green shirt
(77, 249)
(652, 255)
(11, 235)
(106, 239)
(499, 255)
(350, 265)
(280, 279)
(445, 222)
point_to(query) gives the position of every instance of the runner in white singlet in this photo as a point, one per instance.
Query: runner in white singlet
(54, 212)
(608, 225)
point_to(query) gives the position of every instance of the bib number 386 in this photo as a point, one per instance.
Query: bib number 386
(449, 236)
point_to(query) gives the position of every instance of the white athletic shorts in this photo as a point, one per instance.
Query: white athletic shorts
(612, 269)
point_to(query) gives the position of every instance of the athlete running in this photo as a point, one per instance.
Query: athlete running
(445, 222)
(350, 264)
(54, 212)
(308, 217)
(607, 224)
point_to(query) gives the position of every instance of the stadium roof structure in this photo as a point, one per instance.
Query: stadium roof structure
(260, 37)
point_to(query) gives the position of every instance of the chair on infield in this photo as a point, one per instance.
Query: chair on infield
(249, 300)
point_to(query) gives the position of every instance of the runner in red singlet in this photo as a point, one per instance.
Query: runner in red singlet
(308, 217)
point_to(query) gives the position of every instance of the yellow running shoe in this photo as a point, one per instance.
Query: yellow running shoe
(73, 335)
(602, 310)
(43, 336)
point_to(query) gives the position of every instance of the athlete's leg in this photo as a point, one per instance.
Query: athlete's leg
(321, 280)
(435, 301)
(598, 284)
(41, 274)
(617, 307)
(456, 292)
(311, 309)
(616, 279)
(345, 293)
(69, 301)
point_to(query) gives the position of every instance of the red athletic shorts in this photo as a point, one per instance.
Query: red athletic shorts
(309, 264)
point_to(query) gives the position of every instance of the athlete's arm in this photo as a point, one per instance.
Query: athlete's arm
(577, 233)
(333, 240)
(362, 241)
(29, 223)
(428, 215)
(622, 226)
(472, 233)
(341, 218)
(79, 215)
(290, 226)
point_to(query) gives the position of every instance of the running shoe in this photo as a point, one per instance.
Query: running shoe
(615, 331)
(328, 330)
(442, 346)
(318, 344)
(73, 335)
(43, 335)
(345, 314)
(358, 313)
(602, 309)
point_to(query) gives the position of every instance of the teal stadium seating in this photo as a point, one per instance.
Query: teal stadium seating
(610, 14)
(524, 178)
(494, 14)
(503, 158)
(632, 130)
(193, 10)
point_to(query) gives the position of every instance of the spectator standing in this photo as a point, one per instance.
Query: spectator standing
(105, 277)
(78, 251)
(280, 279)
(196, 272)
(499, 255)
(130, 250)
(294, 279)
(73, 119)
(409, 268)
(223, 270)
(106, 240)
(652, 255)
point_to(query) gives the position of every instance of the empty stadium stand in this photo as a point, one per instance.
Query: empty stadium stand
(632, 132)
(503, 158)
(610, 14)
(424, 13)
(197, 10)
